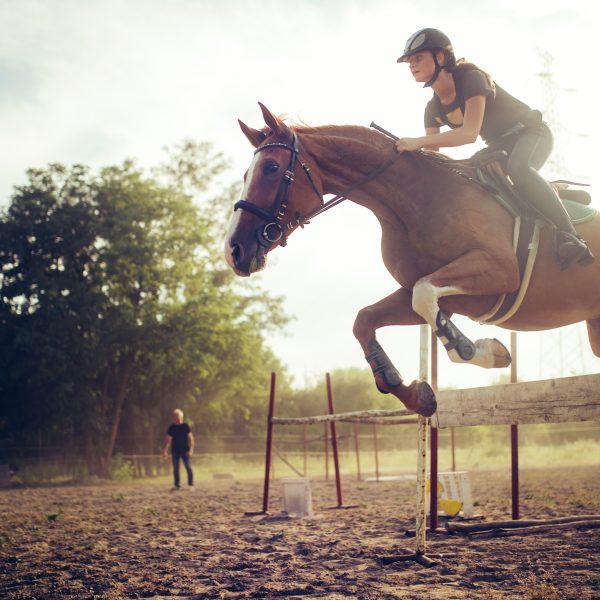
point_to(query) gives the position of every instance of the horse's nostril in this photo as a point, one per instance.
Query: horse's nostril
(236, 252)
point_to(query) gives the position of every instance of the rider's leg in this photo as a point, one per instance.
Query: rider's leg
(529, 153)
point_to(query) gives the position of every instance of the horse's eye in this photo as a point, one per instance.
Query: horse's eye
(270, 167)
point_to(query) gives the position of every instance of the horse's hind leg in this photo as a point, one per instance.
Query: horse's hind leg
(488, 353)
(593, 327)
(393, 310)
(468, 275)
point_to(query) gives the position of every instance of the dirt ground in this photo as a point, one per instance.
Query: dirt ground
(139, 540)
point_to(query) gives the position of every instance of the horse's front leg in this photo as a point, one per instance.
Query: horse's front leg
(395, 309)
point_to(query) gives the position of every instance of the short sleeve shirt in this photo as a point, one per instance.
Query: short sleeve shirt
(179, 435)
(502, 111)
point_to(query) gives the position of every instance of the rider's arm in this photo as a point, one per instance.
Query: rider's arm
(432, 131)
(465, 134)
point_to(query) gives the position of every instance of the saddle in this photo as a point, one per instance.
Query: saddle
(490, 173)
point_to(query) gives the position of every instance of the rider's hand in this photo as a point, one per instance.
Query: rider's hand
(407, 144)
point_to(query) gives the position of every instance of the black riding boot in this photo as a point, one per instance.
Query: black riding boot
(570, 248)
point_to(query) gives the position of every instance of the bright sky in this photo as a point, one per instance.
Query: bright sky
(96, 81)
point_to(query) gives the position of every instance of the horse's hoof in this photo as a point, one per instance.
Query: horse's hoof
(426, 402)
(491, 354)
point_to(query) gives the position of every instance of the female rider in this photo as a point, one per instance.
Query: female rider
(467, 100)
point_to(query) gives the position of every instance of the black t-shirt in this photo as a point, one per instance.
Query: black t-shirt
(179, 435)
(502, 111)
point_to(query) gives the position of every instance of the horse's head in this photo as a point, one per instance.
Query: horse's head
(271, 207)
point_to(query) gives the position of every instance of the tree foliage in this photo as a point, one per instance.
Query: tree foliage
(115, 306)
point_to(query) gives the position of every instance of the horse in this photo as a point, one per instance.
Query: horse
(446, 242)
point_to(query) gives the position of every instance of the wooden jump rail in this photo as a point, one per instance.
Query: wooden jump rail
(561, 400)
(567, 399)
(362, 416)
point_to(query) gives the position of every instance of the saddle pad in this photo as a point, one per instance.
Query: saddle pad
(579, 213)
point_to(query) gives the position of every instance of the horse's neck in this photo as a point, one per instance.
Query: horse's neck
(346, 155)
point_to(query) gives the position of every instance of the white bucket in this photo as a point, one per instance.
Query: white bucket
(297, 496)
(454, 494)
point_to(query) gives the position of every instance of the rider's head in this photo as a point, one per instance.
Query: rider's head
(434, 41)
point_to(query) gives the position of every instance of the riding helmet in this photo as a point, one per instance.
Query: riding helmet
(426, 39)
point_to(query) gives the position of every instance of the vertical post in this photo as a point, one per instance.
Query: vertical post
(421, 524)
(269, 453)
(334, 446)
(269, 443)
(305, 441)
(376, 450)
(433, 465)
(357, 451)
(326, 438)
(453, 448)
(514, 435)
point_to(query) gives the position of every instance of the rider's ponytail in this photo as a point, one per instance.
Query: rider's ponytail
(463, 65)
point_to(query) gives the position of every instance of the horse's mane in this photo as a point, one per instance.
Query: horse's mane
(356, 133)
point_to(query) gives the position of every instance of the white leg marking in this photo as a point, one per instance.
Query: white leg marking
(488, 353)
(425, 303)
(425, 299)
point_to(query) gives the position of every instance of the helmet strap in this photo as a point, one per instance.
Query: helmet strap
(438, 70)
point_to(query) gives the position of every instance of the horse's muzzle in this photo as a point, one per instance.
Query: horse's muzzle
(242, 261)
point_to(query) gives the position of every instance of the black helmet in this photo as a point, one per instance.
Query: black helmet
(426, 39)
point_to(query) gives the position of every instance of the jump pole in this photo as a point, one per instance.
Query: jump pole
(419, 555)
(561, 400)
(433, 432)
(334, 447)
(514, 435)
(269, 449)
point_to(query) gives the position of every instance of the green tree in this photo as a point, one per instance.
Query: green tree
(114, 295)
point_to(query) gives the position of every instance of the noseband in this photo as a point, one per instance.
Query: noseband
(274, 231)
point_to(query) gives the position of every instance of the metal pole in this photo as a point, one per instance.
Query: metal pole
(421, 525)
(357, 450)
(269, 451)
(269, 443)
(433, 465)
(305, 433)
(334, 446)
(376, 450)
(514, 435)
(326, 438)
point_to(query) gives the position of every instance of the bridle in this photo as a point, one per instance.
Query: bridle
(274, 231)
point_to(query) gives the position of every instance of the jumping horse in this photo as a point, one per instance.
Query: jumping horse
(446, 242)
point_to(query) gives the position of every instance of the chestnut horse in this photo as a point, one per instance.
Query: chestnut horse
(446, 243)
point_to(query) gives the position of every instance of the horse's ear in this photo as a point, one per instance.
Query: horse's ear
(255, 136)
(276, 125)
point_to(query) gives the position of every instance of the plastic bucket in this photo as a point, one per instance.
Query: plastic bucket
(297, 496)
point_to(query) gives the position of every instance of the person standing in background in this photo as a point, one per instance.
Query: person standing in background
(181, 440)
